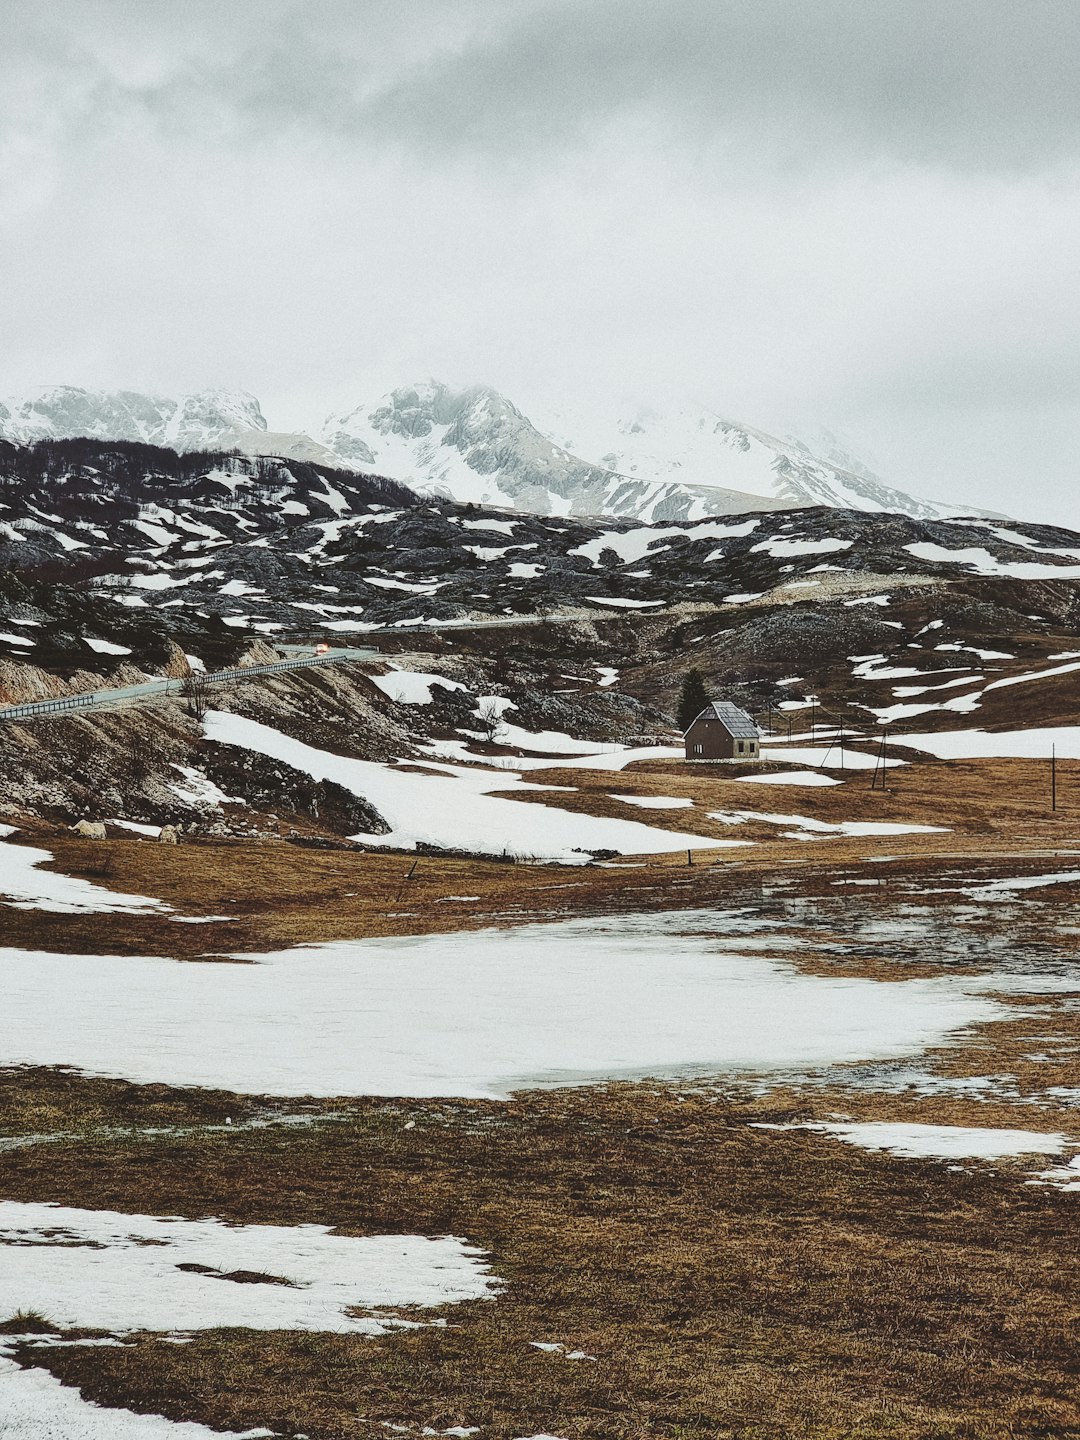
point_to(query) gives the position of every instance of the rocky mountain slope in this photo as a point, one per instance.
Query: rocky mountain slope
(475, 445)
(122, 561)
(200, 547)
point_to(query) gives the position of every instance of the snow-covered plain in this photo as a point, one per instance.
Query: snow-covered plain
(470, 1014)
(103, 1270)
(446, 809)
(25, 886)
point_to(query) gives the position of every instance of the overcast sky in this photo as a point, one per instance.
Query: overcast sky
(861, 214)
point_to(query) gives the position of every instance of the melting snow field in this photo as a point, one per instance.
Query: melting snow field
(1003, 744)
(35, 1406)
(942, 1142)
(471, 1014)
(449, 808)
(790, 777)
(107, 1271)
(809, 826)
(831, 757)
(25, 886)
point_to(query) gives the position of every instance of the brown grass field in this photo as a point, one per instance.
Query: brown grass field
(729, 1282)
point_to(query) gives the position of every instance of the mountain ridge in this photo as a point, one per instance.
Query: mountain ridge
(474, 445)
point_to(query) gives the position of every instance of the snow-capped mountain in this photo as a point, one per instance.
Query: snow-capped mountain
(475, 445)
(201, 420)
(693, 449)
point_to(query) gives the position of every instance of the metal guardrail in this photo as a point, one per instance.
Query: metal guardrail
(33, 708)
(46, 707)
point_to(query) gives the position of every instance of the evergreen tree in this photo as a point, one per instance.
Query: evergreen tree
(693, 699)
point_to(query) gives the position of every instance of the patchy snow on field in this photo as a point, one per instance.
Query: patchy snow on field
(34, 1405)
(24, 886)
(831, 759)
(1035, 744)
(940, 1142)
(655, 802)
(824, 827)
(1065, 1177)
(1034, 675)
(791, 777)
(477, 1014)
(907, 709)
(445, 810)
(412, 687)
(148, 832)
(1005, 888)
(103, 1270)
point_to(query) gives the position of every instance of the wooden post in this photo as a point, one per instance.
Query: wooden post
(884, 760)
(689, 857)
(1053, 777)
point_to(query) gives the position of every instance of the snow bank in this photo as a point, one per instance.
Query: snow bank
(832, 759)
(444, 809)
(103, 1270)
(25, 887)
(477, 1014)
(655, 802)
(35, 1406)
(411, 687)
(790, 777)
(824, 827)
(944, 1142)
(1005, 744)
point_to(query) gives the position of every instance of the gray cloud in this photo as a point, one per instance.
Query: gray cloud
(861, 211)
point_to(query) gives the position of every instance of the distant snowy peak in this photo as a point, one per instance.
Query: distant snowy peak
(475, 445)
(203, 420)
(695, 448)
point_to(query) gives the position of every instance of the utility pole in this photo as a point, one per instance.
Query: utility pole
(813, 717)
(1053, 777)
(881, 763)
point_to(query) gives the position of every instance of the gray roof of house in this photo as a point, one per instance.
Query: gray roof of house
(737, 722)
